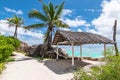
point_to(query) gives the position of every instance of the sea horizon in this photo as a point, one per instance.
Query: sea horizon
(92, 50)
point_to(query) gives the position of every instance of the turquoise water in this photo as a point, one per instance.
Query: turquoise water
(91, 50)
(94, 51)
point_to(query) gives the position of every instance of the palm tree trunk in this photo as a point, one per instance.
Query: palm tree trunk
(114, 38)
(49, 39)
(15, 33)
(48, 44)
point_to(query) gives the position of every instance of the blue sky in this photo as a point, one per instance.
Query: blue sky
(79, 7)
(96, 16)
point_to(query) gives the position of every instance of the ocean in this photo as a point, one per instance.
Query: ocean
(92, 50)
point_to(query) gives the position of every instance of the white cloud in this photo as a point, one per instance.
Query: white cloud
(92, 10)
(91, 31)
(79, 30)
(67, 12)
(66, 29)
(110, 12)
(78, 21)
(13, 10)
(28, 36)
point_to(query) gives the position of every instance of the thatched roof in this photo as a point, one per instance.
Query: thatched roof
(79, 38)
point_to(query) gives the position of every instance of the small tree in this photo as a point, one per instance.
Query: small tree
(15, 21)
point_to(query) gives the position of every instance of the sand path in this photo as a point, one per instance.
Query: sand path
(26, 68)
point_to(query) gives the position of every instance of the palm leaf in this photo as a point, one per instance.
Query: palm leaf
(59, 23)
(35, 26)
(15, 21)
(51, 10)
(38, 15)
(56, 6)
(59, 11)
(46, 11)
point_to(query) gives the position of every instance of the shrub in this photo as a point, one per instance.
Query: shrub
(5, 51)
(7, 46)
(13, 41)
(110, 71)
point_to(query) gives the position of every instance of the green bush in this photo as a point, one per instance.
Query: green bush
(15, 42)
(5, 51)
(110, 71)
(7, 46)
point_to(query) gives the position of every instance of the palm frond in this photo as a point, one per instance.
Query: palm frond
(59, 11)
(59, 23)
(56, 6)
(51, 10)
(15, 21)
(36, 14)
(35, 26)
(46, 11)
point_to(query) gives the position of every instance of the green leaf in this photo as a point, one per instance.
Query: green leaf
(46, 11)
(59, 23)
(59, 11)
(38, 15)
(51, 11)
(40, 25)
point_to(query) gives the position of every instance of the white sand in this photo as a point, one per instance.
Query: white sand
(26, 68)
(30, 69)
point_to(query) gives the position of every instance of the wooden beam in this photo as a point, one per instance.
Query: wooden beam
(63, 42)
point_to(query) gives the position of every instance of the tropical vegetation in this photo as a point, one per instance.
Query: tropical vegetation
(50, 17)
(15, 22)
(109, 71)
(7, 46)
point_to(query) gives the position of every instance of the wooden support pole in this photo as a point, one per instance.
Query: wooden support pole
(105, 50)
(57, 52)
(114, 38)
(72, 54)
(81, 52)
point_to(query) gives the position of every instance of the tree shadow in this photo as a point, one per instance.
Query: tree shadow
(23, 59)
(63, 66)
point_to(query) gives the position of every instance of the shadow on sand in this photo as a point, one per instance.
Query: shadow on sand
(63, 66)
(23, 59)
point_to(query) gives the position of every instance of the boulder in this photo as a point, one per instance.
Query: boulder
(41, 51)
(23, 47)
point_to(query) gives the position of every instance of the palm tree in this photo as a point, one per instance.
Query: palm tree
(50, 18)
(16, 22)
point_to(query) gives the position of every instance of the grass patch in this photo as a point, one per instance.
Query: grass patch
(2, 67)
(21, 52)
(10, 59)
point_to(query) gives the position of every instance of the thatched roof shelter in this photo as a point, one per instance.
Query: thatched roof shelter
(79, 38)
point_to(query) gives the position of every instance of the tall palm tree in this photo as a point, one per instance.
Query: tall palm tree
(16, 22)
(50, 17)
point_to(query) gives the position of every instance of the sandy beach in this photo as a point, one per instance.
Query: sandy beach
(27, 68)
